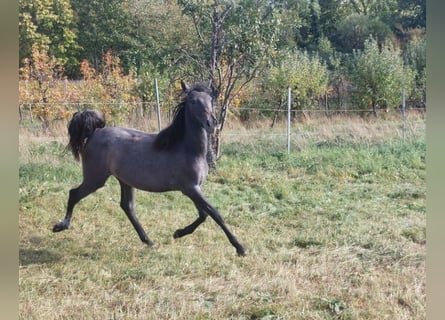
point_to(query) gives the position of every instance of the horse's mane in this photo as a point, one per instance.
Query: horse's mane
(174, 133)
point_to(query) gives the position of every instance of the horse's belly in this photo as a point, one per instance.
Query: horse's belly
(147, 178)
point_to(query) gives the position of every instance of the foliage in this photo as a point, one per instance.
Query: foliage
(306, 75)
(104, 25)
(48, 25)
(372, 7)
(354, 30)
(111, 88)
(411, 13)
(41, 77)
(378, 76)
(232, 44)
(309, 32)
(235, 40)
(51, 97)
(163, 38)
(415, 58)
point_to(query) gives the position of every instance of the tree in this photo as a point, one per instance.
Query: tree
(163, 37)
(412, 13)
(40, 75)
(103, 26)
(415, 58)
(305, 74)
(236, 40)
(356, 28)
(48, 25)
(378, 76)
(373, 8)
(330, 16)
(309, 31)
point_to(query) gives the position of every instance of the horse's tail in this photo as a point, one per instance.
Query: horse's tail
(81, 126)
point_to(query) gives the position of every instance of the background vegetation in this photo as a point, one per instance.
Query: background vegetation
(365, 52)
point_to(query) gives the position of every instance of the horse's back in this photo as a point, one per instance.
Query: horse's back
(107, 146)
(117, 138)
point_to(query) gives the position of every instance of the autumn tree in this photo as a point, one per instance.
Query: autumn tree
(40, 75)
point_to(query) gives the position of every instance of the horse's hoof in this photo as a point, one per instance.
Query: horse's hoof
(241, 252)
(59, 227)
(149, 243)
(178, 234)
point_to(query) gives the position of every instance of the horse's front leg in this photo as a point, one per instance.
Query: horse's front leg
(204, 207)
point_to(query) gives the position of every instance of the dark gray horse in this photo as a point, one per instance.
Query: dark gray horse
(174, 159)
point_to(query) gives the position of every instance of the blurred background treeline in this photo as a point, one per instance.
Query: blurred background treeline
(335, 55)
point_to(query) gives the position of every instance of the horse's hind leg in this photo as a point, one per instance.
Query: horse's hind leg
(127, 204)
(192, 227)
(75, 196)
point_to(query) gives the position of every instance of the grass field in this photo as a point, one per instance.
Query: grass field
(334, 230)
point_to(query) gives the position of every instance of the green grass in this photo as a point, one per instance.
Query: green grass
(334, 230)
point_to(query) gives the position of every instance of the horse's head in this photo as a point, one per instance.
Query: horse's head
(199, 101)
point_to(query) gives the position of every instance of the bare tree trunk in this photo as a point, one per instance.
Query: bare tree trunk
(214, 141)
(212, 151)
(374, 108)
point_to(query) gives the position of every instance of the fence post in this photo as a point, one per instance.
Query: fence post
(158, 109)
(288, 118)
(403, 114)
(65, 89)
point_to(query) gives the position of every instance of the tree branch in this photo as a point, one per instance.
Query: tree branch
(198, 32)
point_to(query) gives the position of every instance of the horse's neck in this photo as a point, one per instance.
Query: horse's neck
(196, 141)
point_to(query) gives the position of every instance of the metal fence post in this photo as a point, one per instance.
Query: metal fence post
(403, 114)
(158, 109)
(288, 118)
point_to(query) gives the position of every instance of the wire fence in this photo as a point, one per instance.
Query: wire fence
(328, 130)
(278, 129)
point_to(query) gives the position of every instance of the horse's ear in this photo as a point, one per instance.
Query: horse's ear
(184, 86)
